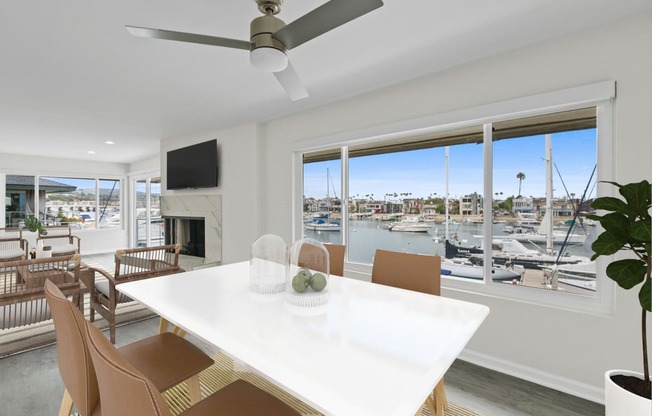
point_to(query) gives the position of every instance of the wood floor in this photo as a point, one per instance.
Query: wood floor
(495, 394)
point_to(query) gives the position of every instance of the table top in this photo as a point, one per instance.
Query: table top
(371, 350)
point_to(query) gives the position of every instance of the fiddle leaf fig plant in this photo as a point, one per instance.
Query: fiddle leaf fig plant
(34, 224)
(627, 227)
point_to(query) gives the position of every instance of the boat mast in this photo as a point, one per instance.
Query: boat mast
(549, 236)
(446, 220)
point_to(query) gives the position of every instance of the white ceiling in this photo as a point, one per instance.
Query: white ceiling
(71, 76)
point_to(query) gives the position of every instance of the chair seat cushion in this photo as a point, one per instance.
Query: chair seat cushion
(166, 359)
(240, 398)
(64, 249)
(103, 287)
(24, 313)
(11, 253)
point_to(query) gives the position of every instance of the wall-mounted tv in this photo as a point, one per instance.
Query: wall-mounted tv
(193, 166)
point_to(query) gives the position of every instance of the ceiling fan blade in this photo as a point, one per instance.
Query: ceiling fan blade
(290, 81)
(323, 19)
(145, 32)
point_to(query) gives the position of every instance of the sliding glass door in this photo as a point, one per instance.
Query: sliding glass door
(148, 225)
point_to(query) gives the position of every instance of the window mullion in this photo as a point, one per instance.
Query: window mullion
(344, 210)
(487, 226)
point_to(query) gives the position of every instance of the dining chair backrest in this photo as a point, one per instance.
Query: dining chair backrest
(74, 358)
(336, 254)
(418, 272)
(123, 389)
(310, 258)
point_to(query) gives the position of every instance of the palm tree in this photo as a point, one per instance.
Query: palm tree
(520, 176)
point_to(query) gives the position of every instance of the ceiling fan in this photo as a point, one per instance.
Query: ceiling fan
(271, 38)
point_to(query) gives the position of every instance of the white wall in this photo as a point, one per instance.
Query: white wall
(567, 350)
(238, 185)
(96, 241)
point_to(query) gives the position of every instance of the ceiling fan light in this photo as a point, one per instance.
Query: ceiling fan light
(268, 59)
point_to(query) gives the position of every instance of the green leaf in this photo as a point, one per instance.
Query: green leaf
(640, 230)
(609, 203)
(645, 295)
(627, 273)
(637, 196)
(606, 244)
(617, 225)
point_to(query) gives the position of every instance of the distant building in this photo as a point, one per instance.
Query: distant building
(523, 204)
(373, 207)
(471, 204)
(412, 206)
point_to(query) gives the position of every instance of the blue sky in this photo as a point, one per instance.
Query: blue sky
(422, 172)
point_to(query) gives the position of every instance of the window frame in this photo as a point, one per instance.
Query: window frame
(600, 95)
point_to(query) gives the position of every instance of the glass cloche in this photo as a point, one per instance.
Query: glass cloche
(269, 264)
(307, 283)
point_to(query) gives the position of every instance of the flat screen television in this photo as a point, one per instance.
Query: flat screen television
(193, 166)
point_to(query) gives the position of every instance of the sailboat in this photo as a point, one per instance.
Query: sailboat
(505, 251)
(541, 234)
(323, 222)
(509, 250)
(410, 225)
(461, 267)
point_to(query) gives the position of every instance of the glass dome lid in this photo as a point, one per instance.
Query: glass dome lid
(307, 282)
(268, 265)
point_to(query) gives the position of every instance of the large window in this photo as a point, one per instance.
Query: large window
(506, 199)
(83, 203)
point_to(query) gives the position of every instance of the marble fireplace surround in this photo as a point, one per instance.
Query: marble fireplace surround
(208, 207)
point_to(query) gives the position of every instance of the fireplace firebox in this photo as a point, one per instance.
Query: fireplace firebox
(189, 232)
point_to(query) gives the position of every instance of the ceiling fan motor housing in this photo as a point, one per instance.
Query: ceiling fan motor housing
(267, 53)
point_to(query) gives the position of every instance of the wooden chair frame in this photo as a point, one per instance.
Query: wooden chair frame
(22, 295)
(130, 265)
(12, 239)
(60, 234)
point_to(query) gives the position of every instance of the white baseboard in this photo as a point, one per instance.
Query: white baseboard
(572, 387)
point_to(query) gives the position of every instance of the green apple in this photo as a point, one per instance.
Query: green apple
(301, 280)
(318, 282)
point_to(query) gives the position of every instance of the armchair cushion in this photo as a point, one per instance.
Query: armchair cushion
(102, 286)
(11, 254)
(60, 249)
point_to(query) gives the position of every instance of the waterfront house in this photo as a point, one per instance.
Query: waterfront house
(81, 98)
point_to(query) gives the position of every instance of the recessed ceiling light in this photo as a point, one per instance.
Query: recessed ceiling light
(109, 142)
(91, 152)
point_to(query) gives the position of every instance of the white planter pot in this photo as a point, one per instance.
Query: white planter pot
(620, 402)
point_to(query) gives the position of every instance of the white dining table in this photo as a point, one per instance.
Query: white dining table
(370, 350)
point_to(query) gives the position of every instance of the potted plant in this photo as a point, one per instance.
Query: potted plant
(627, 227)
(34, 224)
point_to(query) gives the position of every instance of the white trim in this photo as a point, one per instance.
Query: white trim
(297, 196)
(543, 378)
(561, 100)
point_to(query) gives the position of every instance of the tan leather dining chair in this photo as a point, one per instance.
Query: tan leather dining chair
(124, 390)
(335, 255)
(420, 273)
(166, 358)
